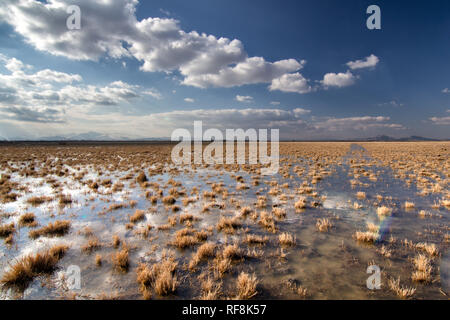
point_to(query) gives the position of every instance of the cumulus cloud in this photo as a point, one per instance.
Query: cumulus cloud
(154, 93)
(392, 103)
(46, 95)
(441, 120)
(446, 90)
(244, 98)
(368, 62)
(356, 123)
(338, 79)
(189, 100)
(293, 82)
(110, 28)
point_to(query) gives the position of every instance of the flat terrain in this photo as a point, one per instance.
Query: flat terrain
(138, 227)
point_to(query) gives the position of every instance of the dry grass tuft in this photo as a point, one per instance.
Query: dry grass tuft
(160, 276)
(27, 220)
(286, 239)
(266, 220)
(300, 204)
(211, 290)
(409, 205)
(383, 211)
(27, 268)
(429, 248)
(206, 250)
(116, 241)
(139, 215)
(228, 225)
(361, 195)
(57, 229)
(402, 292)
(368, 236)
(323, 225)
(92, 244)
(423, 269)
(7, 230)
(246, 285)
(120, 260)
(255, 239)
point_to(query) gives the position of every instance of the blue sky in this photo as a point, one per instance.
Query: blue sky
(142, 69)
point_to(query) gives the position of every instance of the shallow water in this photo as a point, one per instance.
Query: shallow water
(330, 265)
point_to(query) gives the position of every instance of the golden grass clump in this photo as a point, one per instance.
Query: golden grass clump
(24, 270)
(27, 220)
(228, 225)
(160, 276)
(206, 250)
(402, 292)
(116, 241)
(383, 211)
(38, 200)
(372, 227)
(423, 269)
(92, 244)
(409, 205)
(286, 239)
(188, 237)
(280, 213)
(246, 285)
(368, 236)
(323, 225)
(266, 220)
(300, 204)
(57, 229)
(98, 260)
(138, 215)
(255, 239)
(211, 290)
(429, 248)
(168, 200)
(361, 195)
(120, 260)
(7, 230)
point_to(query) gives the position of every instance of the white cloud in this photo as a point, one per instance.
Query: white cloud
(190, 100)
(293, 82)
(244, 98)
(111, 28)
(154, 93)
(392, 103)
(275, 103)
(441, 120)
(338, 79)
(446, 90)
(300, 111)
(356, 123)
(250, 71)
(46, 95)
(369, 62)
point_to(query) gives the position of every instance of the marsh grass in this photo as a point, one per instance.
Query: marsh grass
(161, 277)
(120, 259)
(24, 270)
(323, 225)
(246, 285)
(400, 291)
(27, 220)
(57, 229)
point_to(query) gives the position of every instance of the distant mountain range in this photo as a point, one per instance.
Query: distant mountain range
(96, 136)
(388, 138)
